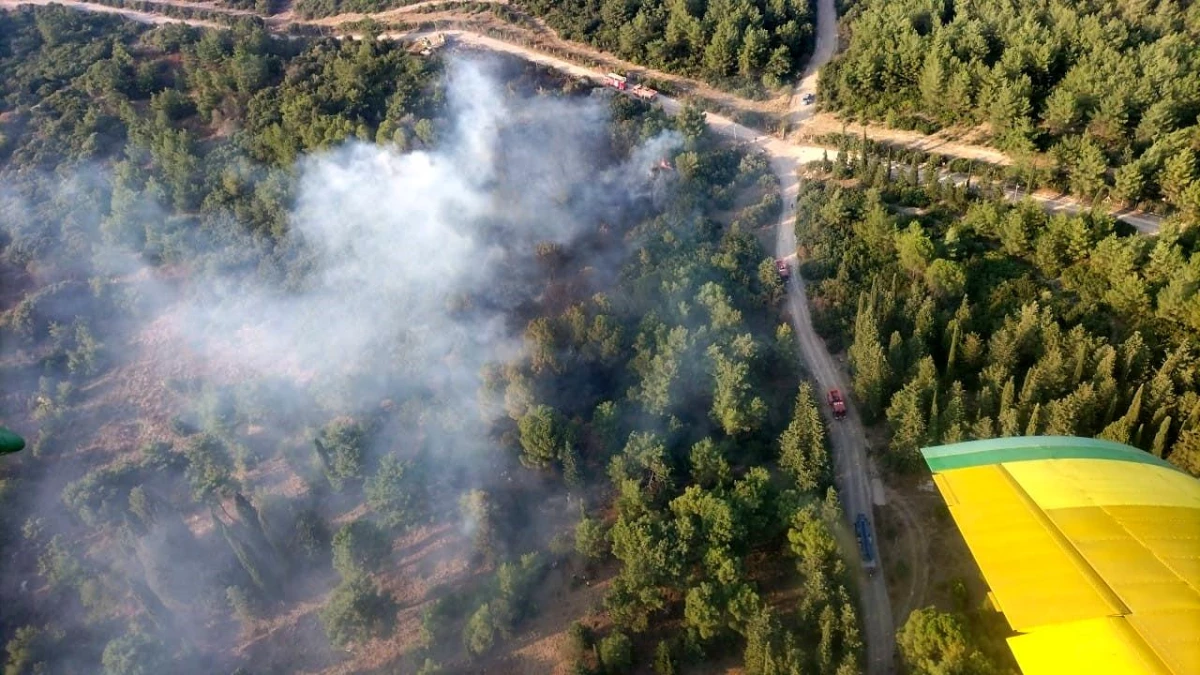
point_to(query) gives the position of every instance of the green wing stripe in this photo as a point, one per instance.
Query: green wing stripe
(1023, 448)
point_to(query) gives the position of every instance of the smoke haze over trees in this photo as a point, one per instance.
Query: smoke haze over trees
(329, 352)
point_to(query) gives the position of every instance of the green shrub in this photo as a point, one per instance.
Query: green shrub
(360, 546)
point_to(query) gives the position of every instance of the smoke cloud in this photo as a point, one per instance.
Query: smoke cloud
(419, 258)
(420, 269)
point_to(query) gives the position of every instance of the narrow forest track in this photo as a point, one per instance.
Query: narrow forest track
(917, 554)
(853, 469)
(133, 14)
(948, 142)
(799, 112)
(351, 17)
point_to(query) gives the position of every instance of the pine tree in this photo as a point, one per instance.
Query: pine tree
(953, 420)
(908, 425)
(1129, 183)
(1007, 394)
(543, 434)
(907, 419)
(1186, 452)
(983, 428)
(710, 469)
(934, 436)
(933, 79)
(1081, 360)
(1035, 420)
(897, 357)
(959, 96)
(1177, 174)
(1135, 406)
(1031, 387)
(868, 363)
(664, 663)
(734, 407)
(1010, 422)
(1189, 202)
(572, 471)
(952, 355)
(1160, 439)
(1088, 171)
(1061, 114)
(802, 445)
(755, 42)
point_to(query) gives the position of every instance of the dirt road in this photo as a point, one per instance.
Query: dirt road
(135, 15)
(827, 41)
(916, 542)
(853, 468)
(848, 439)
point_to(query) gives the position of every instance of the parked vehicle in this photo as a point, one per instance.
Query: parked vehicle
(644, 93)
(862, 531)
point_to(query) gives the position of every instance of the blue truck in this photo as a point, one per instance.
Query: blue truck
(862, 530)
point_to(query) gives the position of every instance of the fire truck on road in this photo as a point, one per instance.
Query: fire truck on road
(837, 403)
(622, 83)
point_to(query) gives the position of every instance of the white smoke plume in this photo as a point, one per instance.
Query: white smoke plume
(418, 265)
(405, 244)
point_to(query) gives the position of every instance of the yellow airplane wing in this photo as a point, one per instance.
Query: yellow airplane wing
(1091, 549)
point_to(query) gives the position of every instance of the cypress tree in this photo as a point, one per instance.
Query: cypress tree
(1164, 429)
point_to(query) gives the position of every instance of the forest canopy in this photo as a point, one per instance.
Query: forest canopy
(1111, 90)
(968, 318)
(746, 43)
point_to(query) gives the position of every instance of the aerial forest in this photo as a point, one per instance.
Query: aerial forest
(964, 316)
(326, 363)
(752, 47)
(1108, 91)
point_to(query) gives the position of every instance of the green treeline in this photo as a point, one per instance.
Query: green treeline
(969, 318)
(738, 43)
(1098, 85)
(315, 8)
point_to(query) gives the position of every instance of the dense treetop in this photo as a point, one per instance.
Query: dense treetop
(1096, 84)
(969, 318)
(740, 42)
